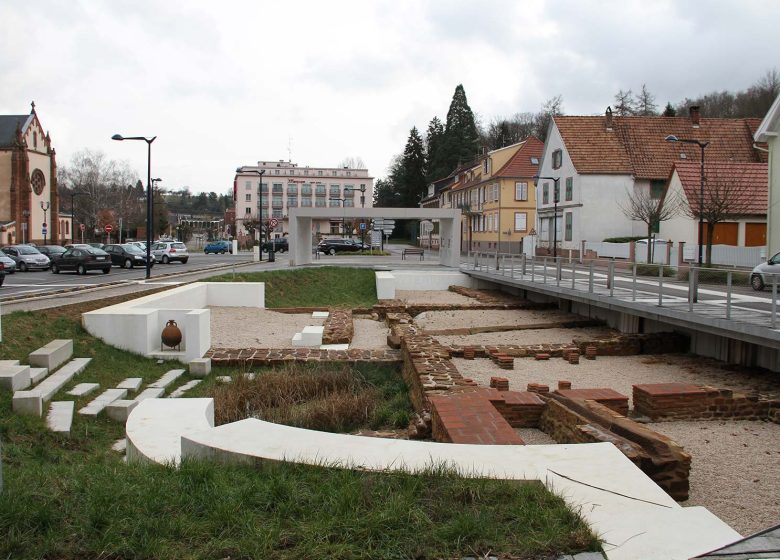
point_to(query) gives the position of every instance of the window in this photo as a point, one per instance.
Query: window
(334, 227)
(306, 202)
(485, 166)
(496, 192)
(320, 190)
(521, 221)
(335, 190)
(334, 203)
(557, 159)
(248, 211)
(264, 188)
(546, 193)
(569, 188)
(306, 189)
(521, 191)
(292, 201)
(277, 188)
(248, 197)
(656, 189)
(349, 203)
(292, 189)
(319, 202)
(248, 185)
(277, 201)
(567, 217)
(319, 172)
(277, 213)
(264, 214)
(276, 172)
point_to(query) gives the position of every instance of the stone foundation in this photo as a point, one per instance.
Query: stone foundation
(247, 357)
(338, 327)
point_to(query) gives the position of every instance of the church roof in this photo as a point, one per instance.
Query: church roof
(8, 126)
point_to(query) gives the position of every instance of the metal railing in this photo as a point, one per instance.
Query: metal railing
(723, 293)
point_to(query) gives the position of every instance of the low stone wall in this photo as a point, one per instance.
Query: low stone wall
(247, 357)
(338, 327)
(389, 306)
(685, 401)
(583, 421)
(484, 296)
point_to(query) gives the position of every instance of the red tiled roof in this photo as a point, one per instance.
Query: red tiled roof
(751, 182)
(637, 146)
(519, 165)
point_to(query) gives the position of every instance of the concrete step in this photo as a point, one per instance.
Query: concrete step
(131, 384)
(120, 409)
(102, 401)
(167, 379)
(184, 388)
(60, 417)
(31, 402)
(150, 393)
(14, 378)
(38, 374)
(83, 389)
(53, 355)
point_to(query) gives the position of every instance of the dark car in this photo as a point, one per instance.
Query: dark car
(333, 246)
(218, 247)
(82, 259)
(127, 255)
(54, 252)
(2, 273)
(278, 244)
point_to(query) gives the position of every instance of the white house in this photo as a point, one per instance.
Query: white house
(767, 132)
(599, 159)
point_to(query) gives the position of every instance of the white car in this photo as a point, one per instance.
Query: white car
(763, 274)
(169, 251)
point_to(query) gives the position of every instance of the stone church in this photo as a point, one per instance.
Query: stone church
(28, 182)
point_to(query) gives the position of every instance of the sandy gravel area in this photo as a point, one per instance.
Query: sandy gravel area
(530, 336)
(619, 373)
(244, 327)
(435, 320)
(433, 296)
(735, 471)
(533, 436)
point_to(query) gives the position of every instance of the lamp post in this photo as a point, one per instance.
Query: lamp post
(344, 217)
(556, 193)
(149, 216)
(45, 206)
(260, 174)
(702, 145)
(362, 190)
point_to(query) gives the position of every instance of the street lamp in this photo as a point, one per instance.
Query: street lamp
(344, 217)
(702, 145)
(149, 216)
(45, 206)
(260, 173)
(556, 193)
(362, 190)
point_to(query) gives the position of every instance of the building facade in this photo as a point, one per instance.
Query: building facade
(768, 132)
(284, 185)
(28, 182)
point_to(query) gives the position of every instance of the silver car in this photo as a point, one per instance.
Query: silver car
(169, 251)
(765, 273)
(27, 257)
(8, 263)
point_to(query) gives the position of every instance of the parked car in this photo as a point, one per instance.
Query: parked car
(127, 255)
(140, 244)
(82, 260)
(9, 265)
(52, 251)
(27, 257)
(278, 245)
(2, 274)
(169, 251)
(96, 245)
(218, 247)
(763, 274)
(338, 245)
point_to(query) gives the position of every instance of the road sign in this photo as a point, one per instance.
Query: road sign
(109, 228)
(376, 238)
(82, 227)
(44, 230)
(273, 222)
(362, 226)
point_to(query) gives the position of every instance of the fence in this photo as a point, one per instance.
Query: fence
(722, 255)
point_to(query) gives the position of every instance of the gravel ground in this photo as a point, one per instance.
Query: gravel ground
(619, 373)
(735, 471)
(245, 327)
(435, 320)
(533, 436)
(433, 296)
(530, 336)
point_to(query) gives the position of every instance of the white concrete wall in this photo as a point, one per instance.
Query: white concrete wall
(430, 280)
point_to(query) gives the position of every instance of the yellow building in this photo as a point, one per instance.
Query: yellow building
(498, 198)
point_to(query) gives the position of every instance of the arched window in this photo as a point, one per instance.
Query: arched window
(38, 181)
(67, 228)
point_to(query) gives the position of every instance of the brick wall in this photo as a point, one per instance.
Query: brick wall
(338, 327)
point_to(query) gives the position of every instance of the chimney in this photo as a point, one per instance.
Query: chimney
(608, 117)
(693, 110)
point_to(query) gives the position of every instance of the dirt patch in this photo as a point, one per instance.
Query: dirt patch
(433, 296)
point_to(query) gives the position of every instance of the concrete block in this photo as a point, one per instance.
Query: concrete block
(131, 384)
(224, 379)
(15, 378)
(150, 393)
(56, 381)
(119, 445)
(200, 367)
(310, 337)
(120, 409)
(4, 363)
(297, 340)
(320, 315)
(38, 374)
(334, 347)
(60, 417)
(385, 285)
(27, 402)
(102, 401)
(53, 355)
(167, 379)
(184, 388)
(83, 389)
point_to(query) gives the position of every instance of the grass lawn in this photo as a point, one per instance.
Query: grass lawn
(312, 287)
(74, 498)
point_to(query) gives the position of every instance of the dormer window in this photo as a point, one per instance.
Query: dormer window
(534, 161)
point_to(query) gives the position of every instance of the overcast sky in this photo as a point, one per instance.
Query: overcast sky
(229, 83)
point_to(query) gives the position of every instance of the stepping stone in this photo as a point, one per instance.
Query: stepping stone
(120, 409)
(60, 417)
(38, 374)
(31, 402)
(183, 389)
(15, 378)
(119, 445)
(83, 389)
(131, 384)
(102, 401)
(320, 315)
(167, 379)
(200, 367)
(150, 393)
(334, 347)
(224, 379)
(53, 355)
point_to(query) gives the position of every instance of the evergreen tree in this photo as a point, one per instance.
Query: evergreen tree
(669, 111)
(413, 182)
(461, 139)
(436, 164)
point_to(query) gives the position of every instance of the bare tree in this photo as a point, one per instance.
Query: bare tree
(644, 206)
(625, 103)
(725, 196)
(645, 103)
(353, 162)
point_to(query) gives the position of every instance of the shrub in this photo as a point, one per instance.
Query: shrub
(652, 270)
(624, 239)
